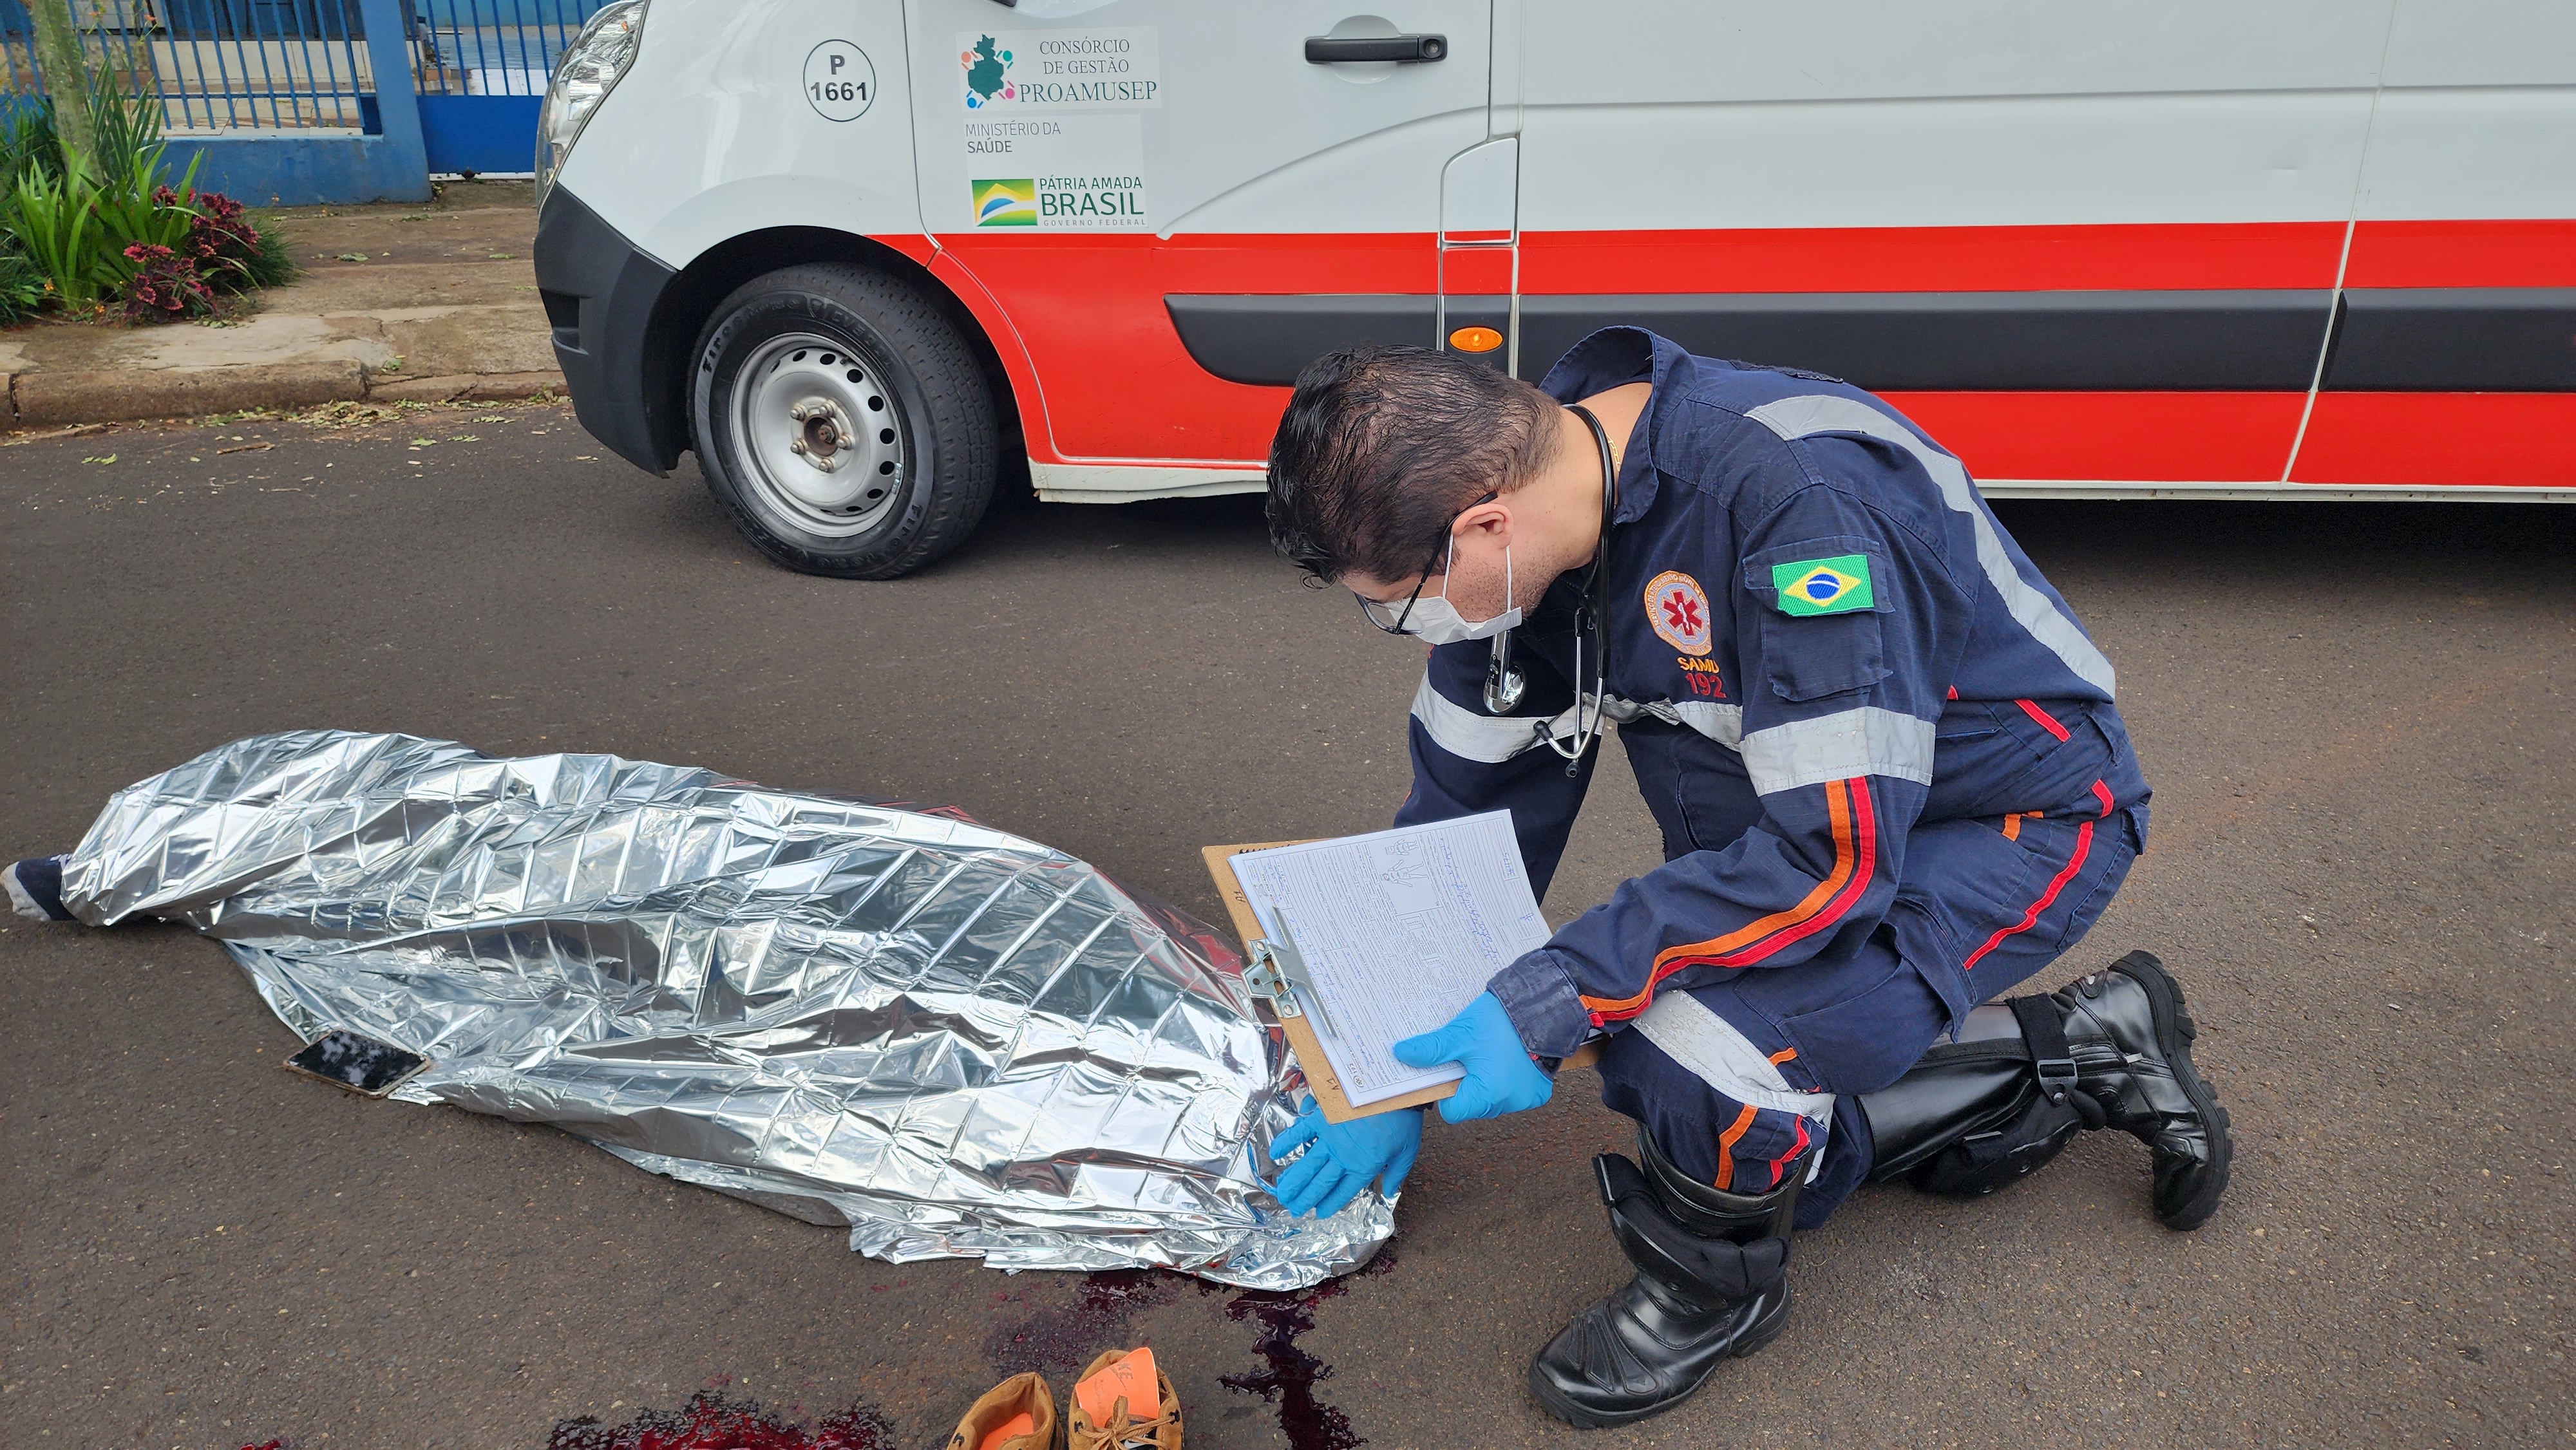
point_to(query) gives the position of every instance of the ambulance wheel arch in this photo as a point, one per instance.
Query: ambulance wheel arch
(688, 306)
(842, 417)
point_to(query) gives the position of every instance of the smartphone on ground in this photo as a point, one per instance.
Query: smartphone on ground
(360, 1064)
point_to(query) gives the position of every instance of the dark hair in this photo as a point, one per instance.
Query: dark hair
(1382, 446)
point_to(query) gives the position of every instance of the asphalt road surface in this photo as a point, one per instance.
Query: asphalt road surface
(2356, 720)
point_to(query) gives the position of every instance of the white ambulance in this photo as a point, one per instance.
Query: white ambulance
(857, 254)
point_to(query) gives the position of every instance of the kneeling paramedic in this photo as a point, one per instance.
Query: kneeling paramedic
(1891, 783)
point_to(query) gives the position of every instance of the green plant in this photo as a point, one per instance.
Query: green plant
(86, 225)
(126, 146)
(29, 150)
(153, 217)
(28, 144)
(54, 220)
(133, 208)
(270, 262)
(23, 288)
(81, 219)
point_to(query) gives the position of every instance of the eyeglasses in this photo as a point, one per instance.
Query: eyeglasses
(1389, 616)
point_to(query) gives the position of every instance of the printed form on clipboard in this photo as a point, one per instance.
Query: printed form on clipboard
(1396, 931)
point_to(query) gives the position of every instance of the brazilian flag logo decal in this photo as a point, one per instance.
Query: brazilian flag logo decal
(1837, 585)
(1006, 203)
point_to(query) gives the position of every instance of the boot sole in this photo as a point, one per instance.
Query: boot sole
(1583, 1419)
(2175, 1032)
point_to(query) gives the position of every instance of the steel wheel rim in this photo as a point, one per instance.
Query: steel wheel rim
(817, 435)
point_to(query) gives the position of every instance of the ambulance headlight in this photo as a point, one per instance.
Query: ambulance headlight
(588, 70)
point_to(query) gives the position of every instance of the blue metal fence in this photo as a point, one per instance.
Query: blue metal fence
(278, 102)
(323, 100)
(222, 65)
(17, 56)
(482, 73)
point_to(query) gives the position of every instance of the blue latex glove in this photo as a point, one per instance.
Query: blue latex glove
(1343, 1158)
(1500, 1076)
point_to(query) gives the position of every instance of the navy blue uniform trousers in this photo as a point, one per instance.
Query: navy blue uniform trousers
(1798, 1044)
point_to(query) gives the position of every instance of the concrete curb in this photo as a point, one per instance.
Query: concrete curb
(121, 395)
(115, 395)
(468, 388)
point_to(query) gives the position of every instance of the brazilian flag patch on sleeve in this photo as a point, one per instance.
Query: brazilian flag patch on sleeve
(1838, 585)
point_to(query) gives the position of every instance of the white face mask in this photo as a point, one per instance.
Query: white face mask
(1437, 621)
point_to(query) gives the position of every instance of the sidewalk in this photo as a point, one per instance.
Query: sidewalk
(425, 302)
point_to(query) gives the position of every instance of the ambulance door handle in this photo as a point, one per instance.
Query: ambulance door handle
(1402, 49)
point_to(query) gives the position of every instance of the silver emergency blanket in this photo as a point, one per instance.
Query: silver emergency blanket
(955, 1041)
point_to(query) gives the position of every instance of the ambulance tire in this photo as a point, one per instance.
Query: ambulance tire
(916, 447)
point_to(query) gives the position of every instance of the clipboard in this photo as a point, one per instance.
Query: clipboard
(1320, 1077)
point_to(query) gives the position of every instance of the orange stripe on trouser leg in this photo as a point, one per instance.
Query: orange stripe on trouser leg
(1726, 1142)
(1786, 1054)
(1838, 813)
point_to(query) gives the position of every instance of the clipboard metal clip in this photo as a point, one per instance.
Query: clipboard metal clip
(1275, 970)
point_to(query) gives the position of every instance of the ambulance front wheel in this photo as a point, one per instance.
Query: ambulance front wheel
(842, 422)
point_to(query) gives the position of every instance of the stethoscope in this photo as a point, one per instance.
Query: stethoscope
(1505, 684)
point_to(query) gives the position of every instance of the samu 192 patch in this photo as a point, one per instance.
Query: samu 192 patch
(1677, 608)
(1838, 585)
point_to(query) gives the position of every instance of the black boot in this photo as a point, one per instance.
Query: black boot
(2112, 1049)
(1974, 1116)
(1711, 1285)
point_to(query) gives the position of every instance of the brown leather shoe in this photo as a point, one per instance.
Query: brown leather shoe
(1021, 1394)
(1121, 1430)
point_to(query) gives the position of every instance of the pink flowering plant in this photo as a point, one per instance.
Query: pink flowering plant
(222, 241)
(221, 250)
(165, 286)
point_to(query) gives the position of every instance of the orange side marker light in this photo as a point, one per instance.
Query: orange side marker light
(1475, 339)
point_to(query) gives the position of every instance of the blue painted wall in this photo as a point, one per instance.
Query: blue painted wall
(480, 133)
(298, 171)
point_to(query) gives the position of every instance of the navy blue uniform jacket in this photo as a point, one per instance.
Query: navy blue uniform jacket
(1818, 636)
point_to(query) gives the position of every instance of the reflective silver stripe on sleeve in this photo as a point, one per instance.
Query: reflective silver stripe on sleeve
(1818, 413)
(1492, 739)
(1866, 741)
(1721, 723)
(1714, 1052)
